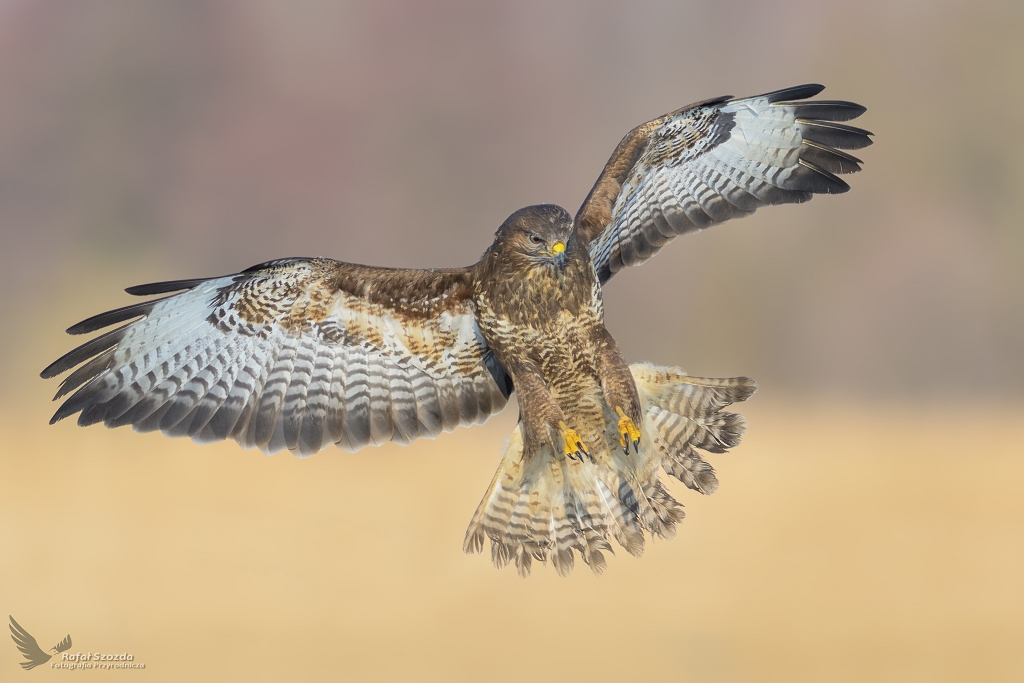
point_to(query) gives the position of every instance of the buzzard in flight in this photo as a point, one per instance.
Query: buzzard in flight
(301, 353)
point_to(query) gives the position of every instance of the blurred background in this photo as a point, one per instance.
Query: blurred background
(869, 527)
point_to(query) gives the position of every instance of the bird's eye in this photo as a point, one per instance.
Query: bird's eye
(535, 239)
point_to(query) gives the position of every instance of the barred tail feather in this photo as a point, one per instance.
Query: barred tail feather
(553, 508)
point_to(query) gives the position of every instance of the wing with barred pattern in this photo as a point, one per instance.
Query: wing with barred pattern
(295, 353)
(711, 161)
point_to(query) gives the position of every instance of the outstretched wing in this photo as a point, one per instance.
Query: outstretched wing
(712, 161)
(28, 646)
(296, 354)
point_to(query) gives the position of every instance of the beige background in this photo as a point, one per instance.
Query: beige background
(870, 527)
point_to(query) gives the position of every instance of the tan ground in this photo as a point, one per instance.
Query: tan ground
(844, 545)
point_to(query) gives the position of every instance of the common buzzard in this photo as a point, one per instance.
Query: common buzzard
(301, 353)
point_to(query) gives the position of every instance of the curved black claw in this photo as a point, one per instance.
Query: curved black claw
(574, 449)
(627, 433)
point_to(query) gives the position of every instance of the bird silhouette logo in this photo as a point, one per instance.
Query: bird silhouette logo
(30, 648)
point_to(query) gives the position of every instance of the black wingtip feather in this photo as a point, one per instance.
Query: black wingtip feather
(84, 352)
(85, 373)
(823, 182)
(91, 414)
(835, 135)
(825, 110)
(117, 315)
(165, 287)
(77, 401)
(832, 160)
(59, 415)
(799, 92)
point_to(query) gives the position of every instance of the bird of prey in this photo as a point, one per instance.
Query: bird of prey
(301, 353)
(30, 648)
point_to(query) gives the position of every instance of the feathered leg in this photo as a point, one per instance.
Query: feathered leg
(543, 421)
(551, 506)
(619, 391)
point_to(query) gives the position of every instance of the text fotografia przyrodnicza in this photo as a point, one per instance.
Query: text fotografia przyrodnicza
(97, 660)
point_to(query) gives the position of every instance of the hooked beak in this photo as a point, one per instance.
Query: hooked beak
(558, 251)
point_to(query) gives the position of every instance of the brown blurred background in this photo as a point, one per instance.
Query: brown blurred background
(869, 528)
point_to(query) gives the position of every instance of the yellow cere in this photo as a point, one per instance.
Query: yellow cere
(558, 247)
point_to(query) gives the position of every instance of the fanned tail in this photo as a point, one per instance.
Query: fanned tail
(552, 507)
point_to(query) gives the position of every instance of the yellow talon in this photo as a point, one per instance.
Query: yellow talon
(574, 446)
(627, 432)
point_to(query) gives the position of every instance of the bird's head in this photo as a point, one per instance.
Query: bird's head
(538, 235)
